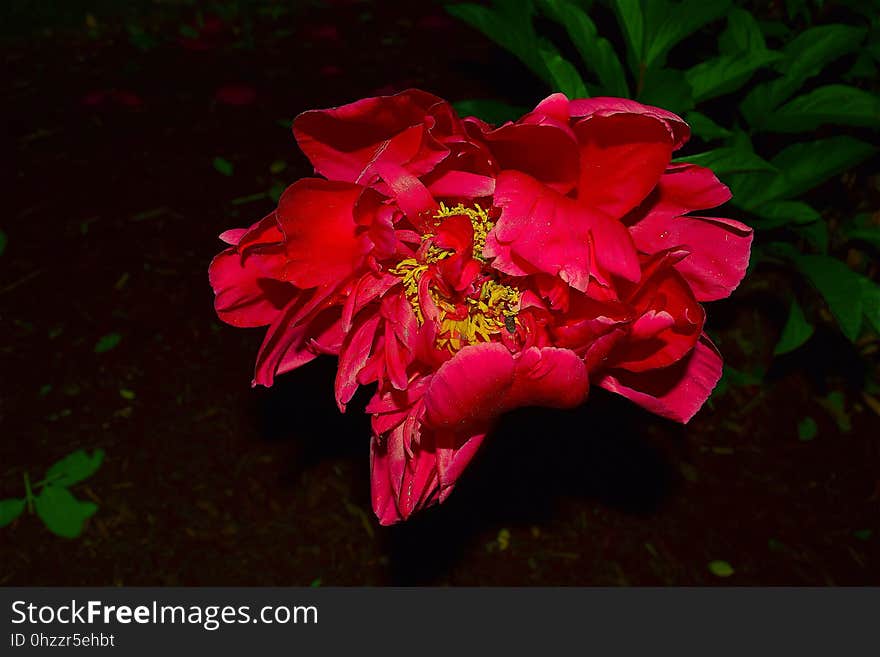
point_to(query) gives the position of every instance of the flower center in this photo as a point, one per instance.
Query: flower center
(469, 301)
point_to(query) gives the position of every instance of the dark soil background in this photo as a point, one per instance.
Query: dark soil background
(112, 211)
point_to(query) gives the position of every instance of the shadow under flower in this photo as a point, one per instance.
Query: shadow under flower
(534, 459)
(606, 450)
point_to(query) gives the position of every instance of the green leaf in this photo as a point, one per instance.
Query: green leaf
(3, 242)
(223, 166)
(796, 332)
(801, 167)
(864, 68)
(807, 429)
(74, 467)
(726, 73)
(563, 74)
(721, 568)
(835, 404)
(837, 104)
(814, 48)
(871, 302)
(681, 21)
(839, 286)
(61, 512)
(509, 24)
(775, 29)
(782, 213)
(107, 342)
(870, 234)
(140, 39)
(728, 159)
(803, 57)
(743, 34)
(667, 88)
(188, 32)
(704, 127)
(10, 510)
(275, 191)
(491, 111)
(816, 233)
(632, 24)
(596, 52)
(863, 228)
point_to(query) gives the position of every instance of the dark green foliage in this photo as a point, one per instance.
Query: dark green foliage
(772, 90)
(61, 512)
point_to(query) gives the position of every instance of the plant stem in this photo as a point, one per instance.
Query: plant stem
(29, 494)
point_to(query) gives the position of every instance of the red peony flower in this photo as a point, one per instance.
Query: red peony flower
(467, 270)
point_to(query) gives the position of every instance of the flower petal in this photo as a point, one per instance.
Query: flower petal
(246, 277)
(323, 245)
(679, 131)
(541, 230)
(676, 392)
(621, 160)
(482, 381)
(342, 141)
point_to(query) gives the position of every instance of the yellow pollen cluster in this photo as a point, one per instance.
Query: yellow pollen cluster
(479, 317)
(489, 314)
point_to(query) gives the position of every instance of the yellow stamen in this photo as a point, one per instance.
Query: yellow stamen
(486, 315)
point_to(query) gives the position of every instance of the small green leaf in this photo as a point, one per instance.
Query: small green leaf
(871, 301)
(140, 39)
(107, 342)
(564, 76)
(814, 48)
(509, 24)
(721, 568)
(704, 127)
(864, 68)
(10, 510)
(743, 34)
(839, 286)
(869, 234)
(3, 242)
(126, 394)
(801, 167)
(803, 57)
(684, 19)
(807, 429)
(835, 404)
(491, 111)
(796, 332)
(223, 166)
(816, 234)
(316, 583)
(863, 534)
(596, 52)
(783, 213)
(61, 512)
(775, 545)
(277, 166)
(836, 104)
(726, 73)
(74, 467)
(276, 190)
(632, 24)
(667, 88)
(728, 160)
